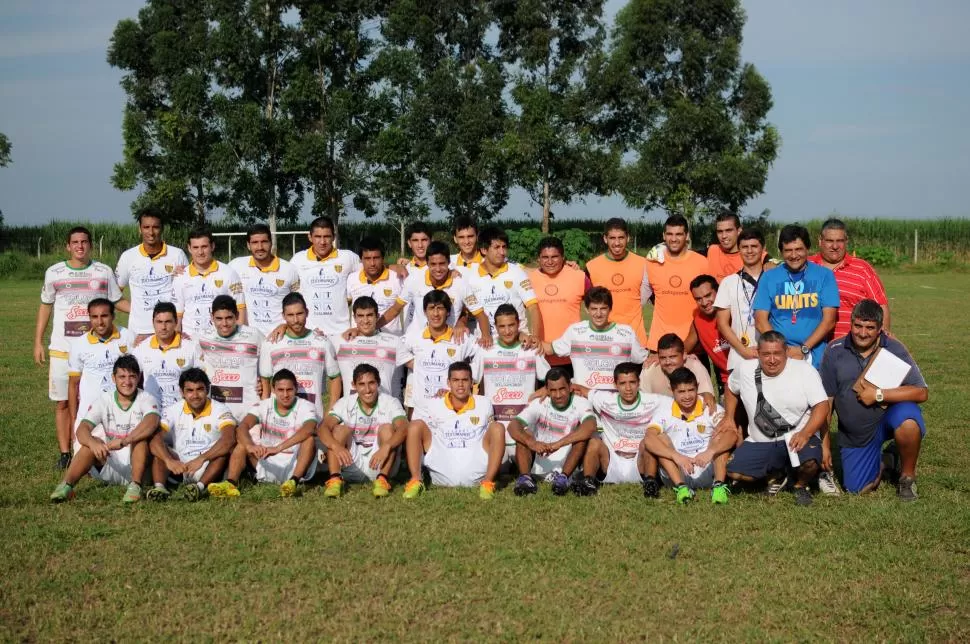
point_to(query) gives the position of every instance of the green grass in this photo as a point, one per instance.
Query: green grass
(451, 567)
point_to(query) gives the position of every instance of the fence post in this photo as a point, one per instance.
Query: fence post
(38, 246)
(101, 247)
(293, 245)
(915, 245)
(230, 249)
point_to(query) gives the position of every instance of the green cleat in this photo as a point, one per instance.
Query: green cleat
(720, 493)
(132, 494)
(223, 489)
(413, 489)
(684, 494)
(192, 492)
(63, 492)
(157, 494)
(333, 488)
(381, 488)
(487, 490)
(291, 488)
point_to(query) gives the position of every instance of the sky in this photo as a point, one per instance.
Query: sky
(870, 98)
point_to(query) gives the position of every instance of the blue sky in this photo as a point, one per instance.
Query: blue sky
(870, 98)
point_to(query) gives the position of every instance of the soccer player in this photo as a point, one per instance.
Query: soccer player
(377, 348)
(68, 287)
(466, 238)
(704, 330)
(92, 356)
(671, 355)
(363, 433)
(165, 356)
(614, 456)
(623, 273)
(456, 438)
(691, 456)
(418, 238)
(307, 354)
(197, 436)
(148, 271)
(276, 439)
(266, 280)
(229, 353)
(551, 435)
(596, 346)
(324, 271)
(206, 278)
(800, 300)
(429, 352)
(377, 281)
(724, 257)
(112, 436)
(735, 296)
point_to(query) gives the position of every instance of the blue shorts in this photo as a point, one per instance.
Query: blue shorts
(755, 460)
(861, 465)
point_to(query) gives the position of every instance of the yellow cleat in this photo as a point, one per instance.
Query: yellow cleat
(487, 491)
(381, 487)
(413, 489)
(333, 488)
(223, 489)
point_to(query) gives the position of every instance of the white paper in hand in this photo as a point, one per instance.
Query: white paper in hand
(792, 454)
(887, 371)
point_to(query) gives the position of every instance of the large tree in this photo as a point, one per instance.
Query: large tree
(5, 148)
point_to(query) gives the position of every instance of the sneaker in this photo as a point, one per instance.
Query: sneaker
(720, 493)
(651, 488)
(63, 461)
(585, 486)
(776, 484)
(906, 490)
(333, 488)
(684, 494)
(63, 492)
(802, 496)
(382, 487)
(157, 494)
(524, 485)
(132, 493)
(193, 493)
(486, 490)
(560, 484)
(413, 489)
(827, 484)
(223, 489)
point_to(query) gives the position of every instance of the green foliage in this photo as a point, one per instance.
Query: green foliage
(5, 148)
(877, 255)
(524, 242)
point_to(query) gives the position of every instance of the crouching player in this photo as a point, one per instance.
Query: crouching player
(692, 456)
(197, 436)
(362, 434)
(457, 438)
(113, 434)
(551, 435)
(276, 440)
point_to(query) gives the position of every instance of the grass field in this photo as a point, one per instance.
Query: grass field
(451, 567)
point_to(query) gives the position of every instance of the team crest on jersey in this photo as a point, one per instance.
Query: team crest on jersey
(279, 282)
(508, 283)
(474, 419)
(123, 348)
(180, 362)
(387, 292)
(207, 427)
(451, 353)
(700, 429)
(338, 268)
(94, 285)
(218, 283)
(313, 355)
(169, 268)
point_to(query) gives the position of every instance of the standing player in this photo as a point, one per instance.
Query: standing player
(623, 273)
(68, 287)
(230, 356)
(197, 435)
(551, 435)
(112, 436)
(377, 348)
(362, 434)
(165, 356)
(266, 280)
(276, 439)
(466, 238)
(323, 271)
(704, 330)
(559, 291)
(205, 279)
(456, 438)
(377, 281)
(308, 355)
(418, 238)
(724, 257)
(148, 271)
(735, 296)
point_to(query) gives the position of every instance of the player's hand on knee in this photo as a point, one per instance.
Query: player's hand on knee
(114, 445)
(99, 449)
(343, 456)
(379, 458)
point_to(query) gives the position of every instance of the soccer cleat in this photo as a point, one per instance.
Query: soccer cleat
(560, 484)
(63, 492)
(413, 489)
(651, 488)
(291, 488)
(684, 494)
(63, 461)
(802, 496)
(585, 486)
(223, 490)
(524, 485)
(776, 483)
(906, 489)
(132, 493)
(720, 493)
(333, 488)
(827, 484)
(382, 487)
(193, 493)
(487, 490)
(157, 494)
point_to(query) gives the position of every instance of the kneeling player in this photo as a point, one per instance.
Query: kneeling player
(362, 434)
(197, 435)
(457, 437)
(112, 437)
(276, 440)
(691, 456)
(551, 435)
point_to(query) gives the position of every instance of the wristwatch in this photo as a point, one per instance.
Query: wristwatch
(879, 396)
(806, 350)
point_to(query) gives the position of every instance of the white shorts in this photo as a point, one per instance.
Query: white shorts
(116, 469)
(278, 468)
(554, 462)
(57, 378)
(700, 479)
(456, 467)
(621, 469)
(361, 471)
(189, 477)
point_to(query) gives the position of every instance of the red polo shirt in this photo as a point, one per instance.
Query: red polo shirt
(857, 281)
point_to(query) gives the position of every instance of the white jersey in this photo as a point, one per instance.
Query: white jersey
(432, 357)
(150, 281)
(508, 285)
(456, 428)
(264, 290)
(463, 265)
(161, 368)
(323, 283)
(418, 284)
(736, 294)
(595, 354)
(549, 423)
(310, 357)
(379, 350)
(193, 292)
(110, 420)
(385, 290)
(232, 365)
(93, 359)
(190, 435)
(623, 426)
(364, 426)
(690, 433)
(274, 427)
(69, 290)
(509, 377)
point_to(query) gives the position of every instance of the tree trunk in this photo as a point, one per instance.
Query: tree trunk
(270, 102)
(199, 204)
(545, 207)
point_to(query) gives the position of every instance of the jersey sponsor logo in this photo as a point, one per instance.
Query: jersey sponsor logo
(305, 384)
(675, 281)
(551, 289)
(76, 313)
(617, 279)
(520, 365)
(223, 375)
(624, 446)
(597, 378)
(504, 393)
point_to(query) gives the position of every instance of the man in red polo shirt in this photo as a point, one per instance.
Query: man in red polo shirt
(856, 278)
(704, 329)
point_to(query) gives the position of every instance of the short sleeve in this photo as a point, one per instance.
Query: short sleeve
(330, 356)
(405, 352)
(47, 291)
(828, 372)
(307, 414)
(396, 409)
(265, 360)
(829, 296)
(637, 353)
(75, 364)
(585, 409)
(562, 346)
(226, 419)
(148, 404)
(530, 414)
(762, 296)
(114, 291)
(723, 298)
(95, 413)
(915, 377)
(487, 409)
(812, 386)
(734, 381)
(256, 410)
(121, 272)
(704, 384)
(524, 287)
(339, 409)
(236, 287)
(178, 298)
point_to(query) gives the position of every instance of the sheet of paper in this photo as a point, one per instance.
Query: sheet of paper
(887, 371)
(792, 454)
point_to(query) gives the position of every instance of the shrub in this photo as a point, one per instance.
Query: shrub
(877, 256)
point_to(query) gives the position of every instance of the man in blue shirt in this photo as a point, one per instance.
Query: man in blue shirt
(799, 299)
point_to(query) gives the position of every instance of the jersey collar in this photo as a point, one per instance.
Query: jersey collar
(313, 256)
(386, 275)
(482, 272)
(418, 263)
(94, 339)
(564, 407)
(202, 414)
(677, 412)
(374, 409)
(622, 405)
(447, 282)
(465, 263)
(144, 253)
(176, 343)
(469, 404)
(444, 337)
(195, 272)
(272, 268)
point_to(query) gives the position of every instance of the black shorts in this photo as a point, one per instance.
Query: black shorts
(755, 460)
